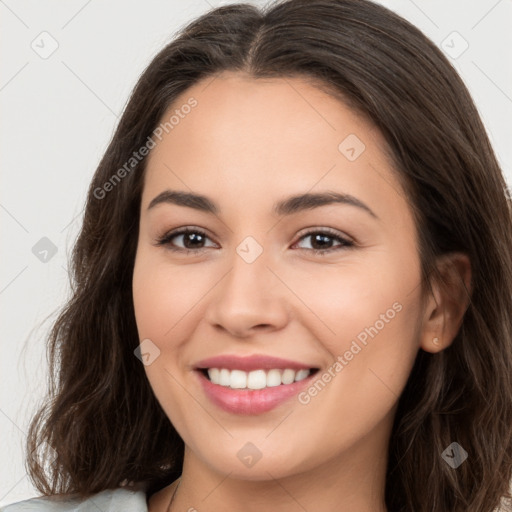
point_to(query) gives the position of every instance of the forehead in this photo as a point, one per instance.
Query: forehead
(236, 112)
(245, 138)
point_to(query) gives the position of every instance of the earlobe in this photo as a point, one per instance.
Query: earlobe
(449, 299)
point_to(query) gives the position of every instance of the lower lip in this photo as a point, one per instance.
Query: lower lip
(251, 401)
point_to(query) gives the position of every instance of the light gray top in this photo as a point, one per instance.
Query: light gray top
(110, 500)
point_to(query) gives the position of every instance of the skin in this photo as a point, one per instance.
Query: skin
(247, 144)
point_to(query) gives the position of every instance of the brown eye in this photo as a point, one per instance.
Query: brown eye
(191, 239)
(321, 241)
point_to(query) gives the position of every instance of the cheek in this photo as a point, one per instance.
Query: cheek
(367, 314)
(346, 299)
(373, 349)
(162, 296)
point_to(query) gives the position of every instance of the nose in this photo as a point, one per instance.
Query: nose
(248, 299)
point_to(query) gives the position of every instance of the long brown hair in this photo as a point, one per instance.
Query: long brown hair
(101, 417)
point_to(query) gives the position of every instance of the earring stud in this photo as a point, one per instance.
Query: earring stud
(436, 341)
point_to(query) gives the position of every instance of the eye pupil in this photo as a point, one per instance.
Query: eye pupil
(321, 237)
(193, 237)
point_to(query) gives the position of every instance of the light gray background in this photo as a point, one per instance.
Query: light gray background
(58, 116)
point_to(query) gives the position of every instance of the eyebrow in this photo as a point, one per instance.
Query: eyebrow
(288, 206)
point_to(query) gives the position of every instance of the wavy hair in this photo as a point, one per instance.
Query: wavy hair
(101, 417)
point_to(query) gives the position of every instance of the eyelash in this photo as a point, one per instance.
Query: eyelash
(167, 237)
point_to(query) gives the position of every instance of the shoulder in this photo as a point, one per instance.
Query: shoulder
(109, 500)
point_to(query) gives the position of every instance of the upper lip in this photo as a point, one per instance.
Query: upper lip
(248, 363)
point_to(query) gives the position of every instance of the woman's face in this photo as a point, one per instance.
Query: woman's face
(269, 156)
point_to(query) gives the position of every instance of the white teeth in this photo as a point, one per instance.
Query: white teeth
(214, 374)
(238, 379)
(288, 376)
(256, 379)
(301, 374)
(224, 378)
(273, 378)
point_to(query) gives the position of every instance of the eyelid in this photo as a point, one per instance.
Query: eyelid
(165, 238)
(325, 230)
(345, 242)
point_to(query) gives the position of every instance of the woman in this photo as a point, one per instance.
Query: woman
(293, 282)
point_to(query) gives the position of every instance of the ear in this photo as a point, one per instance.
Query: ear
(447, 302)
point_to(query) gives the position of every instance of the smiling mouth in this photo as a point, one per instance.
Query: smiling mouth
(255, 379)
